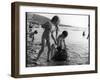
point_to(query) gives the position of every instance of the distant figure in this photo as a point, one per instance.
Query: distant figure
(32, 35)
(49, 28)
(61, 53)
(83, 33)
(30, 26)
(88, 36)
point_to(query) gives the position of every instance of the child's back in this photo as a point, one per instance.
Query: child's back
(61, 52)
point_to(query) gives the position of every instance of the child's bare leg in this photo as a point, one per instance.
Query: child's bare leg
(41, 50)
(49, 49)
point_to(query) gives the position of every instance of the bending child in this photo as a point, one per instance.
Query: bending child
(61, 52)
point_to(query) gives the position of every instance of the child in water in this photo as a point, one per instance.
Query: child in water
(61, 40)
(61, 53)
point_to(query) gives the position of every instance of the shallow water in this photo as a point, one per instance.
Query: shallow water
(77, 55)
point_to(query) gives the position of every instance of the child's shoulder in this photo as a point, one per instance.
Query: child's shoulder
(48, 23)
(59, 36)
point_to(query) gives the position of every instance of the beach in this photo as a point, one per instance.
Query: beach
(77, 51)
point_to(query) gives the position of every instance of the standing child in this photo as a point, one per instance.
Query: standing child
(49, 28)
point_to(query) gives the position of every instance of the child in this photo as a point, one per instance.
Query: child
(49, 28)
(61, 54)
(55, 20)
(61, 40)
(32, 35)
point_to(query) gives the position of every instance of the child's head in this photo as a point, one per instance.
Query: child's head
(35, 32)
(55, 20)
(64, 34)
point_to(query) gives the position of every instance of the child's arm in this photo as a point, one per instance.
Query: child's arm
(53, 37)
(65, 46)
(45, 25)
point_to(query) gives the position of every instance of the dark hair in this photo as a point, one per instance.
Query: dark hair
(55, 19)
(65, 33)
(35, 32)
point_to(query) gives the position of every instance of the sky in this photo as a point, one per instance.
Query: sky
(68, 19)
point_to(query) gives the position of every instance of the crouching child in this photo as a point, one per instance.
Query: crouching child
(61, 50)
